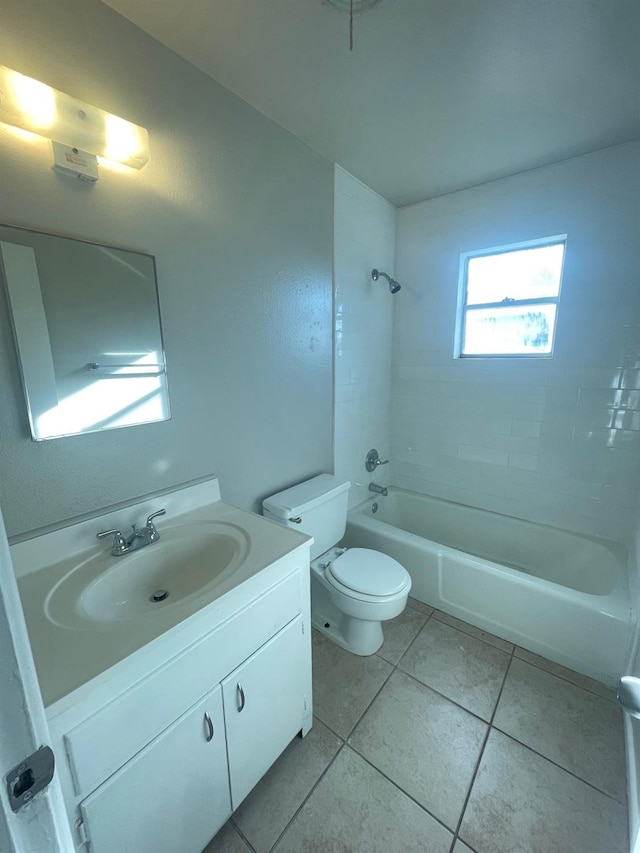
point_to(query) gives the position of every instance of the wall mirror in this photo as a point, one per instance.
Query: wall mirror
(86, 320)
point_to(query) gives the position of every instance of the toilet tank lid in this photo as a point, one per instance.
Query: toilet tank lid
(305, 496)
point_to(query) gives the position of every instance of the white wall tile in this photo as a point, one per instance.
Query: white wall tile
(365, 233)
(528, 429)
(556, 440)
(574, 418)
(524, 461)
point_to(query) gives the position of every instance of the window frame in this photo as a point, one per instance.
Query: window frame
(463, 307)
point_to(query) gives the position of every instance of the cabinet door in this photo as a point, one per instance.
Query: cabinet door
(264, 702)
(173, 796)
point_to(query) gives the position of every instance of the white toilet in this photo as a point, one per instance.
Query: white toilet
(352, 590)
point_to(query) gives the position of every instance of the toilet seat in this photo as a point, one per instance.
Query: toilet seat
(368, 572)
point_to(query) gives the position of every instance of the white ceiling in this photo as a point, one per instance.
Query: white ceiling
(437, 95)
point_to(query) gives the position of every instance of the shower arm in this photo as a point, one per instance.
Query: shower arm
(394, 286)
(375, 275)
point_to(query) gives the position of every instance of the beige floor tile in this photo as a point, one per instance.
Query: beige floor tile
(463, 668)
(400, 632)
(354, 809)
(520, 803)
(568, 674)
(420, 606)
(422, 742)
(227, 841)
(578, 730)
(498, 642)
(344, 684)
(265, 813)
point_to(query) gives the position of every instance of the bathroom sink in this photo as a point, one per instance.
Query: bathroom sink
(187, 561)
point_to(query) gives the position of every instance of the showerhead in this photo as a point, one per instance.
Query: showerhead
(394, 286)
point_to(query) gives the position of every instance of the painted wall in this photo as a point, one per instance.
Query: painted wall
(364, 238)
(239, 216)
(557, 440)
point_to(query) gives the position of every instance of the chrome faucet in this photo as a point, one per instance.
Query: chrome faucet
(136, 539)
(379, 490)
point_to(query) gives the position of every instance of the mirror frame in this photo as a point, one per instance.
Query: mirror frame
(90, 365)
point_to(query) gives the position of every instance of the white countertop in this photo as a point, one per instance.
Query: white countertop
(68, 657)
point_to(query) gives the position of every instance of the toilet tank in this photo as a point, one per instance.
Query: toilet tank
(321, 506)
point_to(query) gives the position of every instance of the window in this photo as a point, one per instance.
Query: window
(509, 299)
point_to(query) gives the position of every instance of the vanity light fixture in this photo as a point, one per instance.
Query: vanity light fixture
(79, 132)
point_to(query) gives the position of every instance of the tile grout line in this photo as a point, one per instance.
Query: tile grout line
(421, 629)
(488, 724)
(470, 634)
(539, 666)
(491, 724)
(395, 668)
(375, 696)
(435, 690)
(333, 732)
(411, 642)
(241, 834)
(514, 652)
(481, 755)
(350, 732)
(563, 678)
(555, 764)
(444, 696)
(344, 741)
(399, 788)
(304, 801)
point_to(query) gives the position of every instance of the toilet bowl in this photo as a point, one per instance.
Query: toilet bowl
(352, 590)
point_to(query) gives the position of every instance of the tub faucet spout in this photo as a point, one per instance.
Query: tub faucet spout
(379, 490)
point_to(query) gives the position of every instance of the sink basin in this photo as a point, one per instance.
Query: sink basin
(187, 561)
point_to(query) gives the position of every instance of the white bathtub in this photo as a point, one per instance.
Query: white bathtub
(555, 593)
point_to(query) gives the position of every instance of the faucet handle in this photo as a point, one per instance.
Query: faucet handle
(119, 542)
(373, 460)
(151, 531)
(155, 515)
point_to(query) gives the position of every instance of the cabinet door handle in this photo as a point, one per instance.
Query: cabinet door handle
(240, 693)
(209, 724)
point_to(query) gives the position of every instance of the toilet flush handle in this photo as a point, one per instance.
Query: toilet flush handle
(296, 520)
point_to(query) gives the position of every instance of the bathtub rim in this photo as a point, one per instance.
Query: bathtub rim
(620, 590)
(612, 617)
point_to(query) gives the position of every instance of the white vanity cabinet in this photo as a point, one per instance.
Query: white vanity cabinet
(172, 796)
(263, 707)
(156, 753)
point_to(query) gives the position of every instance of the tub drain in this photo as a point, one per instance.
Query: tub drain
(159, 595)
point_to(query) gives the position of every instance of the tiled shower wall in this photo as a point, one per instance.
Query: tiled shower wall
(364, 238)
(557, 440)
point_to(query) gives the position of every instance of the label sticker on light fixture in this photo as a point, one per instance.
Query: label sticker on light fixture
(75, 163)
